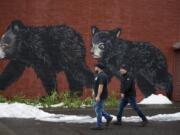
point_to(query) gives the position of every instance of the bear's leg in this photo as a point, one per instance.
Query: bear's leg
(47, 76)
(145, 85)
(49, 82)
(75, 86)
(169, 87)
(164, 82)
(12, 72)
(83, 72)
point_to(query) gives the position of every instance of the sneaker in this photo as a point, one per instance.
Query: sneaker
(144, 123)
(108, 122)
(117, 123)
(96, 128)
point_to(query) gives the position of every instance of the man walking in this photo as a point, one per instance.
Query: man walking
(100, 94)
(128, 95)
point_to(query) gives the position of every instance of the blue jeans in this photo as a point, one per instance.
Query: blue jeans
(132, 101)
(99, 110)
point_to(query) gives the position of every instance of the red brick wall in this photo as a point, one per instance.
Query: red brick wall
(156, 21)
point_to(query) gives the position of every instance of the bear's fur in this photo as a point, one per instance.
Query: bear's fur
(144, 61)
(48, 50)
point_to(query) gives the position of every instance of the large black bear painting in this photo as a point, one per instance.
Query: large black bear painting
(145, 62)
(48, 50)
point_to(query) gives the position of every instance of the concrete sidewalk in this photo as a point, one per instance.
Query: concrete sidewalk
(33, 127)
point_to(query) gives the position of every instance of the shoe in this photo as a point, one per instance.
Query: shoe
(96, 128)
(117, 123)
(144, 123)
(108, 122)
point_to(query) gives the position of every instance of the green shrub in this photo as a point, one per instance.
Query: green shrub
(112, 101)
(3, 99)
(47, 101)
(88, 101)
(69, 99)
(23, 99)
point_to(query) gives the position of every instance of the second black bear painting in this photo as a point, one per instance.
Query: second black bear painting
(145, 62)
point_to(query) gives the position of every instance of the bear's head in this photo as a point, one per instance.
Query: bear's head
(8, 41)
(102, 41)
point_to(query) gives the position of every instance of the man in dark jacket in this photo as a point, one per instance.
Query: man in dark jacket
(100, 94)
(128, 95)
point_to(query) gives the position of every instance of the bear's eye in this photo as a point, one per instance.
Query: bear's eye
(101, 46)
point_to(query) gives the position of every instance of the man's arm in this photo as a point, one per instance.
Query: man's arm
(122, 89)
(100, 90)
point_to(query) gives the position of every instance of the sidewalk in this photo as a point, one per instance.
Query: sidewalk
(33, 127)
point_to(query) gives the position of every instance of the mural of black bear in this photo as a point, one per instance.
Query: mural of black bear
(145, 62)
(48, 50)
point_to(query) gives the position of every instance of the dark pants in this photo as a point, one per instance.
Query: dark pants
(99, 110)
(132, 101)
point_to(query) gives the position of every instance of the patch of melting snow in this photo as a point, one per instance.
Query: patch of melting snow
(58, 105)
(19, 110)
(156, 99)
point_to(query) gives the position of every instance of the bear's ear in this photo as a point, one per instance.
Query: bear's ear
(17, 25)
(94, 29)
(116, 32)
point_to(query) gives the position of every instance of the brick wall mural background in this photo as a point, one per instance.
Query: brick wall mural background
(153, 21)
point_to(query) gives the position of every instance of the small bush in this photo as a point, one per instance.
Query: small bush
(23, 99)
(3, 99)
(112, 101)
(88, 101)
(69, 100)
(47, 101)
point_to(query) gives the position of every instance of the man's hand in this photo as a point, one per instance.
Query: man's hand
(122, 95)
(93, 94)
(97, 99)
(100, 89)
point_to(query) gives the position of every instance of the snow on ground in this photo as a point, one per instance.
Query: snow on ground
(19, 110)
(156, 99)
(85, 106)
(58, 105)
